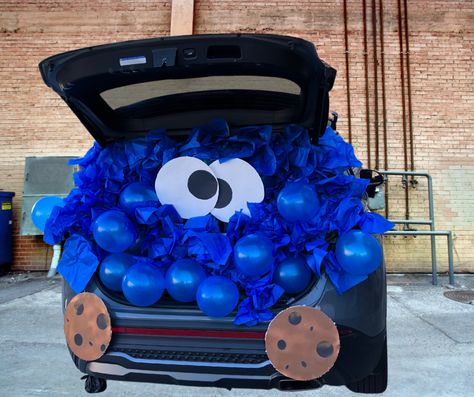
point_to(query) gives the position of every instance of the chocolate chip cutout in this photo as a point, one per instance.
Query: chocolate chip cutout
(102, 321)
(311, 342)
(79, 309)
(324, 349)
(294, 318)
(202, 184)
(78, 339)
(87, 326)
(281, 344)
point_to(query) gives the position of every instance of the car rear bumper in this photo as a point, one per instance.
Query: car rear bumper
(182, 346)
(194, 362)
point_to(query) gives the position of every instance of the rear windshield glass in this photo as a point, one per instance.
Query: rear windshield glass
(131, 94)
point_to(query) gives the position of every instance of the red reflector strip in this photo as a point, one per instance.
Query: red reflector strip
(191, 332)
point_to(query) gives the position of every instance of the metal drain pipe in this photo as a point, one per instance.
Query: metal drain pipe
(384, 103)
(432, 233)
(348, 85)
(376, 84)
(431, 222)
(366, 73)
(410, 111)
(404, 126)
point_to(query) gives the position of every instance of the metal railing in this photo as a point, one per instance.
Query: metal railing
(430, 222)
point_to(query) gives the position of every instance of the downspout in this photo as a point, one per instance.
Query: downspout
(376, 87)
(410, 111)
(384, 103)
(366, 73)
(54, 260)
(404, 126)
(348, 86)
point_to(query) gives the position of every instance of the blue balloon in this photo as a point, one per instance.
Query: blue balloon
(113, 268)
(358, 252)
(113, 231)
(253, 255)
(297, 201)
(183, 279)
(134, 194)
(217, 296)
(42, 209)
(293, 275)
(143, 284)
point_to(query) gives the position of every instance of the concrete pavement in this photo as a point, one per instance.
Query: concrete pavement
(431, 345)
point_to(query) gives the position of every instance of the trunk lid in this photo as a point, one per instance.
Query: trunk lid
(123, 90)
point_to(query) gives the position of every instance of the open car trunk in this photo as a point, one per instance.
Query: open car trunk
(125, 90)
(122, 91)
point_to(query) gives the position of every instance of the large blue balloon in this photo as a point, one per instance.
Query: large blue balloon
(293, 275)
(113, 231)
(358, 252)
(113, 268)
(297, 201)
(42, 209)
(134, 194)
(253, 255)
(217, 296)
(183, 279)
(143, 284)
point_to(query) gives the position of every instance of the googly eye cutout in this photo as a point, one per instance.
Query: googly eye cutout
(239, 184)
(189, 185)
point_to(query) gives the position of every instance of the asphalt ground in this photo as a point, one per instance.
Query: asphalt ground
(430, 345)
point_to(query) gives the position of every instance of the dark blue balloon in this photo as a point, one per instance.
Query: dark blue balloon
(253, 255)
(183, 279)
(113, 231)
(42, 209)
(217, 296)
(113, 268)
(143, 284)
(293, 275)
(297, 201)
(136, 193)
(358, 252)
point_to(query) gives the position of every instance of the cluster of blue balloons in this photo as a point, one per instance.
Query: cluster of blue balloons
(185, 281)
(113, 230)
(144, 284)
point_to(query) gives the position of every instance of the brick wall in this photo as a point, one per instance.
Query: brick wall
(33, 121)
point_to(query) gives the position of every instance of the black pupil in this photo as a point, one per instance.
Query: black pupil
(225, 194)
(202, 184)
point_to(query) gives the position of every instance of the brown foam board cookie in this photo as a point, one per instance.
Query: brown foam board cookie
(302, 343)
(87, 326)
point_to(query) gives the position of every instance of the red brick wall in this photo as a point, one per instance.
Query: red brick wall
(33, 121)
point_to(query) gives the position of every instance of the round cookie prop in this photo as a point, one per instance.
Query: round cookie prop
(302, 343)
(87, 326)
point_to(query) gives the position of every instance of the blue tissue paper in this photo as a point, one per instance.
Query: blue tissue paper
(279, 157)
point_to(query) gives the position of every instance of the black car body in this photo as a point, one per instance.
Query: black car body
(123, 90)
